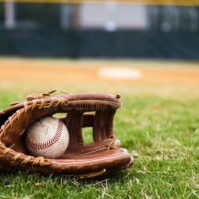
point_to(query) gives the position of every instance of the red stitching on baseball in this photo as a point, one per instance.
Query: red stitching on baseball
(50, 142)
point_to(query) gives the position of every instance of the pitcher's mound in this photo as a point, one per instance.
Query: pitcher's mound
(120, 73)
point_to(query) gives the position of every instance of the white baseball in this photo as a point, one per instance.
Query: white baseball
(47, 137)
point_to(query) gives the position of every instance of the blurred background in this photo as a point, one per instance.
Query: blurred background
(105, 29)
(125, 47)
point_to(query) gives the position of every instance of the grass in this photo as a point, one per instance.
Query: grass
(161, 132)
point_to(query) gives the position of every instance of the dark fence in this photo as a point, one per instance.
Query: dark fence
(90, 43)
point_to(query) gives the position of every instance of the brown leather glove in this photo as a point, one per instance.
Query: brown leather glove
(102, 156)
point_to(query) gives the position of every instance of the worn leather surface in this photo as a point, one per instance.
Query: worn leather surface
(103, 156)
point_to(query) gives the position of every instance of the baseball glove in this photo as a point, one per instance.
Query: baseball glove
(103, 156)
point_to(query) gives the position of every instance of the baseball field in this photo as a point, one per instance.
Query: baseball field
(158, 123)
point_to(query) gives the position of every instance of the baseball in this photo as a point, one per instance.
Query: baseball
(47, 137)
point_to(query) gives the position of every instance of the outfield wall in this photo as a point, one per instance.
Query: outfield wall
(132, 44)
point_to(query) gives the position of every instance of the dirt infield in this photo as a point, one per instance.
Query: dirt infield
(160, 78)
(88, 71)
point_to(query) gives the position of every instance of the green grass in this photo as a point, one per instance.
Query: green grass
(162, 133)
